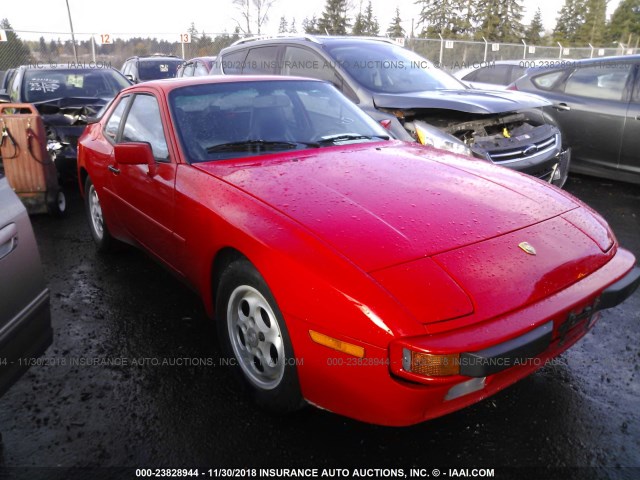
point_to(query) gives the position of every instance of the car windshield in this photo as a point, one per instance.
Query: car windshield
(216, 121)
(45, 85)
(157, 69)
(386, 68)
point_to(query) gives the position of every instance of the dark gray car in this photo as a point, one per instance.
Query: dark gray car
(25, 321)
(596, 102)
(413, 99)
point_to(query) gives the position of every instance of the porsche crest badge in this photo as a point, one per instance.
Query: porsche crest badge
(527, 248)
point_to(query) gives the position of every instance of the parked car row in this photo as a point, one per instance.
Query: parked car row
(410, 97)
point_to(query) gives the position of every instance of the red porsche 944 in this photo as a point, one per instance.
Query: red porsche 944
(385, 281)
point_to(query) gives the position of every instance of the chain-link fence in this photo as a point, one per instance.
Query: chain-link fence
(40, 48)
(456, 54)
(28, 47)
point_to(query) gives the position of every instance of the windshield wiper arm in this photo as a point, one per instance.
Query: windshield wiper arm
(349, 136)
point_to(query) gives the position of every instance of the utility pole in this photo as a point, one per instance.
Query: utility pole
(73, 39)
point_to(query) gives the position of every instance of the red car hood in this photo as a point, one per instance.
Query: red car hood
(382, 204)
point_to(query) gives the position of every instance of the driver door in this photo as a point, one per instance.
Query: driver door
(145, 193)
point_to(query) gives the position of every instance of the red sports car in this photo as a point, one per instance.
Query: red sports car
(384, 281)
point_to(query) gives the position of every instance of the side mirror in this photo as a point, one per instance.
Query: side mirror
(130, 78)
(4, 97)
(134, 153)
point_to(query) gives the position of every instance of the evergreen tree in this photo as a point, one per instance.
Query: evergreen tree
(366, 23)
(13, 52)
(395, 29)
(292, 28)
(511, 28)
(204, 45)
(310, 25)
(283, 28)
(625, 21)
(43, 46)
(533, 34)
(593, 29)
(449, 18)
(571, 18)
(439, 17)
(334, 20)
(500, 20)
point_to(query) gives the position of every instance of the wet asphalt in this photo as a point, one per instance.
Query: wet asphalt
(579, 416)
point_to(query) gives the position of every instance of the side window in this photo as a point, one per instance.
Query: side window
(546, 81)
(496, 74)
(516, 72)
(232, 64)
(471, 76)
(14, 88)
(606, 82)
(200, 70)
(113, 124)
(261, 60)
(636, 92)
(302, 62)
(187, 70)
(144, 124)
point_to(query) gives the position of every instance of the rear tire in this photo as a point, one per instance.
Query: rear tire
(56, 203)
(99, 231)
(253, 333)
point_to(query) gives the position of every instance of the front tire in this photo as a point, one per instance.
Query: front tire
(253, 333)
(99, 231)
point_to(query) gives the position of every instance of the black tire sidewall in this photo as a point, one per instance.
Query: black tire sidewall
(52, 203)
(286, 397)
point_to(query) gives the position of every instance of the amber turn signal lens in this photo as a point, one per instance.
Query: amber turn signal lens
(335, 344)
(430, 365)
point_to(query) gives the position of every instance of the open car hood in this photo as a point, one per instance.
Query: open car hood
(469, 101)
(385, 203)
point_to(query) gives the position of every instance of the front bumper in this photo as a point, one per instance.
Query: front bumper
(368, 392)
(553, 169)
(526, 347)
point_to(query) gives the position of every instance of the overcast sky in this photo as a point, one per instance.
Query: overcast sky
(212, 16)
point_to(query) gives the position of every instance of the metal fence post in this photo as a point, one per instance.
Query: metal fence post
(591, 55)
(524, 51)
(441, 49)
(486, 46)
(93, 49)
(560, 45)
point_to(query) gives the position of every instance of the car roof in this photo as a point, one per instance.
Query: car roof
(168, 84)
(155, 56)
(61, 68)
(309, 39)
(204, 58)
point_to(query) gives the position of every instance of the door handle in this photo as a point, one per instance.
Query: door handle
(561, 106)
(114, 170)
(8, 240)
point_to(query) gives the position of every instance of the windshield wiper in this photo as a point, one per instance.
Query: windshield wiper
(251, 145)
(349, 136)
